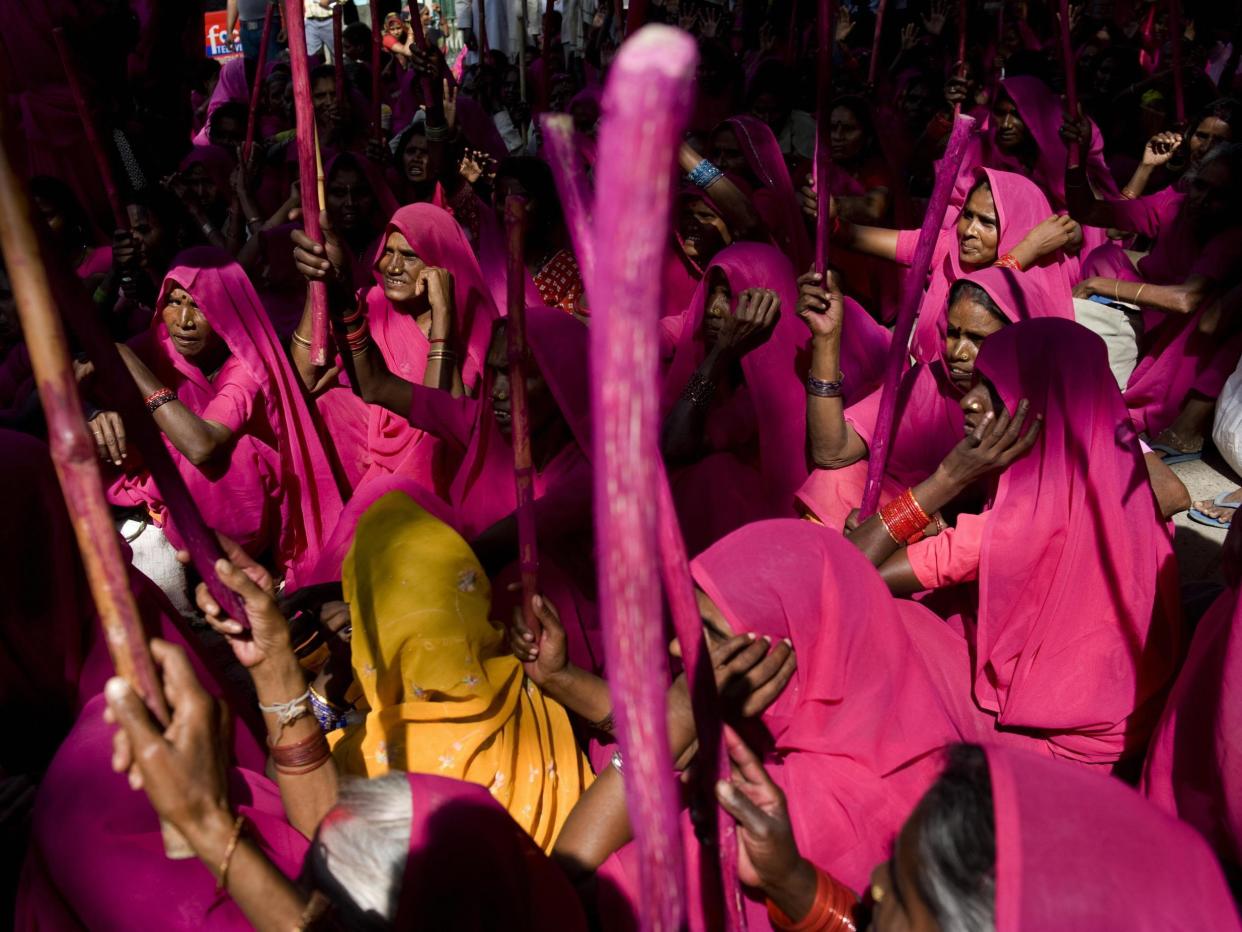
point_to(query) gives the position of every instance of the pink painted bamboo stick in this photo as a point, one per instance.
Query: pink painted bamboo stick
(911, 296)
(1175, 36)
(256, 90)
(304, 112)
(377, 84)
(338, 54)
(647, 104)
(873, 67)
(523, 467)
(1071, 77)
(571, 185)
(73, 450)
(119, 213)
(823, 146)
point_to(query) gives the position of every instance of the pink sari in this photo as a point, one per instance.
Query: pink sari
(372, 441)
(1193, 767)
(775, 199)
(928, 416)
(275, 489)
(1079, 852)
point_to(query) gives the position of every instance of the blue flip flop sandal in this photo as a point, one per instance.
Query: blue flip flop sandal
(1171, 456)
(1199, 517)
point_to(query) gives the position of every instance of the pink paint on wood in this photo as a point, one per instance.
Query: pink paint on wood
(256, 90)
(823, 148)
(911, 296)
(88, 127)
(571, 185)
(1071, 76)
(647, 105)
(873, 67)
(304, 112)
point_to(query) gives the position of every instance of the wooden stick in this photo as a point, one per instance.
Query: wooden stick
(911, 296)
(73, 450)
(961, 47)
(523, 467)
(873, 67)
(823, 146)
(119, 213)
(304, 111)
(647, 105)
(257, 90)
(1071, 79)
(636, 17)
(338, 54)
(1175, 35)
(571, 185)
(545, 37)
(429, 88)
(481, 31)
(377, 84)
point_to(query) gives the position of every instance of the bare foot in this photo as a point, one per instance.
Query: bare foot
(1225, 515)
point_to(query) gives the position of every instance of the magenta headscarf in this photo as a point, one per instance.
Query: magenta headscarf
(776, 200)
(438, 240)
(309, 499)
(459, 835)
(1079, 852)
(1079, 625)
(1020, 207)
(1194, 764)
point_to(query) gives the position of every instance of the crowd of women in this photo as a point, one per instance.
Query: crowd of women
(993, 704)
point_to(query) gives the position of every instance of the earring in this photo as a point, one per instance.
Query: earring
(877, 893)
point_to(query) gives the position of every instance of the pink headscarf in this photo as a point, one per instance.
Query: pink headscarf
(1194, 764)
(307, 495)
(1079, 624)
(1020, 207)
(1078, 852)
(776, 200)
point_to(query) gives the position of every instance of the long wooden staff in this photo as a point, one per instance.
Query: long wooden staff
(338, 54)
(88, 127)
(911, 296)
(425, 83)
(961, 47)
(545, 51)
(571, 185)
(648, 101)
(256, 89)
(823, 146)
(873, 67)
(377, 86)
(1071, 79)
(523, 467)
(304, 112)
(1175, 36)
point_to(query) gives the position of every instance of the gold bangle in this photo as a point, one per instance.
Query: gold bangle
(301, 340)
(1116, 289)
(1138, 294)
(442, 354)
(228, 854)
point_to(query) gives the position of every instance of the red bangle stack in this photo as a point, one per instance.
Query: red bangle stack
(307, 755)
(160, 397)
(358, 339)
(904, 518)
(832, 910)
(1007, 261)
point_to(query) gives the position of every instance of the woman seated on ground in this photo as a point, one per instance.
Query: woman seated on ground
(1068, 516)
(222, 392)
(1188, 349)
(1006, 221)
(928, 420)
(427, 319)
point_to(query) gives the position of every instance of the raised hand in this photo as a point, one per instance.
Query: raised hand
(687, 18)
(548, 658)
(937, 18)
(753, 318)
(316, 263)
(909, 37)
(268, 637)
(821, 309)
(710, 22)
(1160, 149)
(437, 284)
(845, 23)
(449, 100)
(1057, 232)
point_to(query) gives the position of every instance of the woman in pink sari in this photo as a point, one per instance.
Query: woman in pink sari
(1069, 562)
(734, 399)
(234, 418)
(1188, 348)
(427, 319)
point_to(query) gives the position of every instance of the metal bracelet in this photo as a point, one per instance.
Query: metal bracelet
(704, 174)
(699, 391)
(823, 388)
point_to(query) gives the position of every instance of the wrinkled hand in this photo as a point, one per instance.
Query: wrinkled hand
(845, 24)
(268, 637)
(316, 263)
(821, 309)
(182, 769)
(753, 318)
(437, 284)
(475, 165)
(1160, 149)
(751, 672)
(1057, 232)
(109, 432)
(937, 18)
(993, 446)
(548, 658)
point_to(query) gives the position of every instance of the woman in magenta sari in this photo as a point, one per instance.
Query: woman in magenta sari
(427, 319)
(1069, 561)
(1188, 348)
(233, 415)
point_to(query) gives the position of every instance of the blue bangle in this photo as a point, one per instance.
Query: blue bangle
(330, 718)
(704, 174)
(822, 388)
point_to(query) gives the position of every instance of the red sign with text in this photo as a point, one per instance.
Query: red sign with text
(220, 46)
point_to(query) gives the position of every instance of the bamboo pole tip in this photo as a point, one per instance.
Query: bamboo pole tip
(556, 124)
(657, 48)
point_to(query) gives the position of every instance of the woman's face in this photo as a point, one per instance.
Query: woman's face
(349, 199)
(275, 91)
(719, 301)
(727, 154)
(394, 27)
(1208, 201)
(399, 265)
(540, 404)
(978, 403)
(970, 323)
(414, 158)
(978, 229)
(846, 134)
(200, 185)
(1209, 134)
(1010, 130)
(51, 215)
(916, 103)
(191, 334)
(899, 906)
(148, 234)
(703, 232)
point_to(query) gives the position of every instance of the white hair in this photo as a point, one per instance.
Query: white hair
(360, 850)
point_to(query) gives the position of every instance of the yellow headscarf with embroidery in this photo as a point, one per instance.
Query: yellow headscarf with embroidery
(442, 694)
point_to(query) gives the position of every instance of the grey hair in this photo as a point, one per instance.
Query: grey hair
(358, 858)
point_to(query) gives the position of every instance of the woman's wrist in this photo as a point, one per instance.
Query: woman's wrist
(278, 678)
(826, 356)
(209, 835)
(794, 892)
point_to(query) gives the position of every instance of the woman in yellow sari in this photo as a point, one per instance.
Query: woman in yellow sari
(441, 693)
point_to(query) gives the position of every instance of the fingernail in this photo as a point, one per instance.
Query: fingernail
(750, 636)
(222, 565)
(766, 639)
(135, 781)
(234, 628)
(789, 642)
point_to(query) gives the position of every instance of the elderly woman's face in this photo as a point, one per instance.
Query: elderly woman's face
(400, 266)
